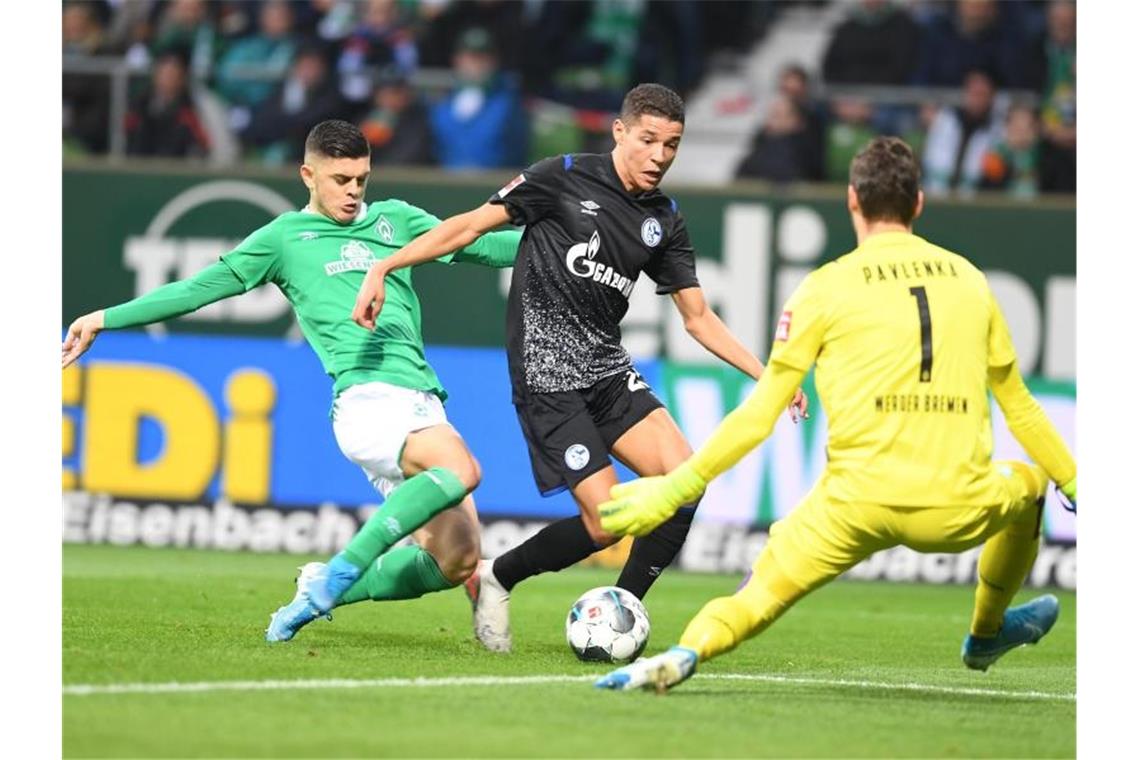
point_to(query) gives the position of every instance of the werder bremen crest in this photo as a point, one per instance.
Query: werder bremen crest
(384, 230)
(354, 256)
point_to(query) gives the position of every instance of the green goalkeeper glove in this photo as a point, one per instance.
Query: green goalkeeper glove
(637, 507)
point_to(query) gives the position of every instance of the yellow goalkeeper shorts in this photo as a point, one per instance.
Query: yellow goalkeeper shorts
(822, 538)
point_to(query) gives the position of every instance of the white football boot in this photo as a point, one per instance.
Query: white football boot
(490, 605)
(660, 672)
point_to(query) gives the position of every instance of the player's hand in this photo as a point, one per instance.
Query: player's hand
(798, 409)
(370, 299)
(80, 335)
(637, 507)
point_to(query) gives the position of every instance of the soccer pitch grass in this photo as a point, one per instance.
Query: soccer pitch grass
(855, 670)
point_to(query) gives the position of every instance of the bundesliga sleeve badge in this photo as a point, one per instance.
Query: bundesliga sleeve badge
(507, 188)
(784, 326)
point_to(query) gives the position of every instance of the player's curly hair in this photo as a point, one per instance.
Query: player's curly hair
(337, 139)
(886, 176)
(652, 99)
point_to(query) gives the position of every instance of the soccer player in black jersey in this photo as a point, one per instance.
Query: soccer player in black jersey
(594, 222)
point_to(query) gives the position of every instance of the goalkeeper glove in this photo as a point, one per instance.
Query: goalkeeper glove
(637, 507)
(1069, 491)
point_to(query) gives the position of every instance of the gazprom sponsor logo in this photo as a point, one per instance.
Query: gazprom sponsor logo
(581, 263)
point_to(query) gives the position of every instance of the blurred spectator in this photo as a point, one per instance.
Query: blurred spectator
(730, 25)
(186, 25)
(877, 44)
(126, 22)
(162, 121)
(794, 85)
(781, 150)
(307, 96)
(442, 23)
(326, 19)
(86, 97)
(1055, 76)
(972, 37)
(1012, 164)
(850, 129)
(265, 57)
(1050, 57)
(83, 32)
(480, 124)
(587, 51)
(135, 26)
(398, 127)
(960, 138)
(670, 45)
(381, 39)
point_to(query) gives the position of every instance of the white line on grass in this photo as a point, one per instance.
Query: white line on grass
(83, 690)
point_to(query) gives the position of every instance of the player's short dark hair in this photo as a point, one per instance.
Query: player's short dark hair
(652, 99)
(885, 175)
(337, 139)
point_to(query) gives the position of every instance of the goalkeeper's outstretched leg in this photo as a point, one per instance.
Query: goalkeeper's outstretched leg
(806, 550)
(1006, 559)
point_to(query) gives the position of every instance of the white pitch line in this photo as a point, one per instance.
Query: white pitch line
(84, 690)
(887, 685)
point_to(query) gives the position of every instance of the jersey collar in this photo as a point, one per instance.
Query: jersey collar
(883, 239)
(360, 212)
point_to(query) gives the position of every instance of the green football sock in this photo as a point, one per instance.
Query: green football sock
(408, 507)
(405, 573)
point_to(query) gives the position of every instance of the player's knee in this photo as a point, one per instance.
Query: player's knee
(460, 561)
(1035, 479)
(599, 536)
(469, 472)
(477, 473)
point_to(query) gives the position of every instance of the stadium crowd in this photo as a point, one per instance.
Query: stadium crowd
(466, 84)
(1012, 128)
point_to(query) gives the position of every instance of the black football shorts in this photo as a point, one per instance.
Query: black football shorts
(569, 433)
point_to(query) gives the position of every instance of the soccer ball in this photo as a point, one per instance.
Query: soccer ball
(607, 624)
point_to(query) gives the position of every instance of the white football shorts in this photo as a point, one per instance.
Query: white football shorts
(371, 421)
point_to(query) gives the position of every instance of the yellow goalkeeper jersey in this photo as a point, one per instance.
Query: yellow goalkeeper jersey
(902, 333)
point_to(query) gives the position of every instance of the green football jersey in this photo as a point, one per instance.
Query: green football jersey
(319, 265)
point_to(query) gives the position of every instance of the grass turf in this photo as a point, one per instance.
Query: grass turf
(163, 615)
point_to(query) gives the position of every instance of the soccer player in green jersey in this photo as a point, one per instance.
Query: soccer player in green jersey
(387, 411)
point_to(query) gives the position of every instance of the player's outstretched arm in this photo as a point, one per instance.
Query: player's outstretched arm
(1032, 427)
(495, 249)
(451, 234)
(174, 299)
(639, 506)
(710, 331)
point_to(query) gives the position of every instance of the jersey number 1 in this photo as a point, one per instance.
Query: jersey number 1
(924, 329)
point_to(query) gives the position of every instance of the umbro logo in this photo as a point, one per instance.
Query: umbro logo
(589, 207)
(309, 235)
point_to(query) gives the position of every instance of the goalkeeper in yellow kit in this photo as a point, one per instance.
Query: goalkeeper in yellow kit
(906, 338)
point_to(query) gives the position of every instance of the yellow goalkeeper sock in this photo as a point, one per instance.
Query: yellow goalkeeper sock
(725, 622)
(1007, 557)
(718, 627)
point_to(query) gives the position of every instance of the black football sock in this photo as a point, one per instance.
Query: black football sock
(651, 554)
(556, 546)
